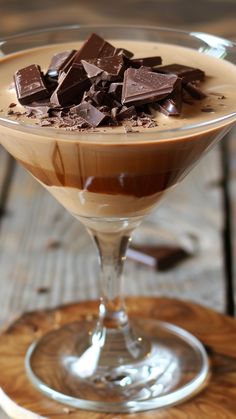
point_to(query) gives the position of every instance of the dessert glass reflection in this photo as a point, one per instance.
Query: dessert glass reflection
(109, 179)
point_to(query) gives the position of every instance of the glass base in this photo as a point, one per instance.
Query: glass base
(70, 367)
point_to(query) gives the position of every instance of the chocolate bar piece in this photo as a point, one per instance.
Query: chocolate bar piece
(29, 84)
(142, 86)
(126, 113)
(161, 258)
(124, 52)
(172, 105)
(147, 62)
(59, 62)
(91, 115)
(94, 47)
(115, 90)
(108, 68)
(194, 91)
(187, 74)
(71, 87)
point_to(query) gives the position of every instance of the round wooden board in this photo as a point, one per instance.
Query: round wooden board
(21, 400)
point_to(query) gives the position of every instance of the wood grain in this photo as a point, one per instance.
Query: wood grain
(7, 165)
(219, 395)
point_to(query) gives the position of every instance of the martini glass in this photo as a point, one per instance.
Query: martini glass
(109, 181)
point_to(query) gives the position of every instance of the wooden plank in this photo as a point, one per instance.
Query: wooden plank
(232, 186)
(7, 165)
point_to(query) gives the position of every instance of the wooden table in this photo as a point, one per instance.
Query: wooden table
(41, 245)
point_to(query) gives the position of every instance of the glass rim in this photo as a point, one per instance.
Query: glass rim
(148, 133)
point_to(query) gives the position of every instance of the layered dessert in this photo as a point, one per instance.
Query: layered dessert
(117, 165)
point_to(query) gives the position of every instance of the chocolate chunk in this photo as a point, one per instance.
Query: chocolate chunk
(186, 73)
(59, 62)
(71, 87)
(91, 115)
(162, 258)
(125, 52)
(142, 86)
(115, 90)
(94, 47)
(29, 84)
(126, 113)
(109, 101)
(147, 62)
(194, 91)
(172, 105)
(108, 68)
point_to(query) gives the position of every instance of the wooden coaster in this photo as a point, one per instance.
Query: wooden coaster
(20, 400)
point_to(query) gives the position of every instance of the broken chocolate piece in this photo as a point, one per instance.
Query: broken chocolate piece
(125, 52)
(108, 68)
(94, 47)
(59, 62)
(127, 113)
(160, 257)
(91, 115)
(142, 86)
(71, 87)
(187, 74)
(194, 91)
(147, 62)
(172, 105)
(29, 84)
(115, 90)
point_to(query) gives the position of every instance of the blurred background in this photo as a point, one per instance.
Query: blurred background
(215, 16)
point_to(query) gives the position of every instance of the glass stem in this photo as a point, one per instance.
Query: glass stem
(112, 238)
(112, 250)
(117, 340)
